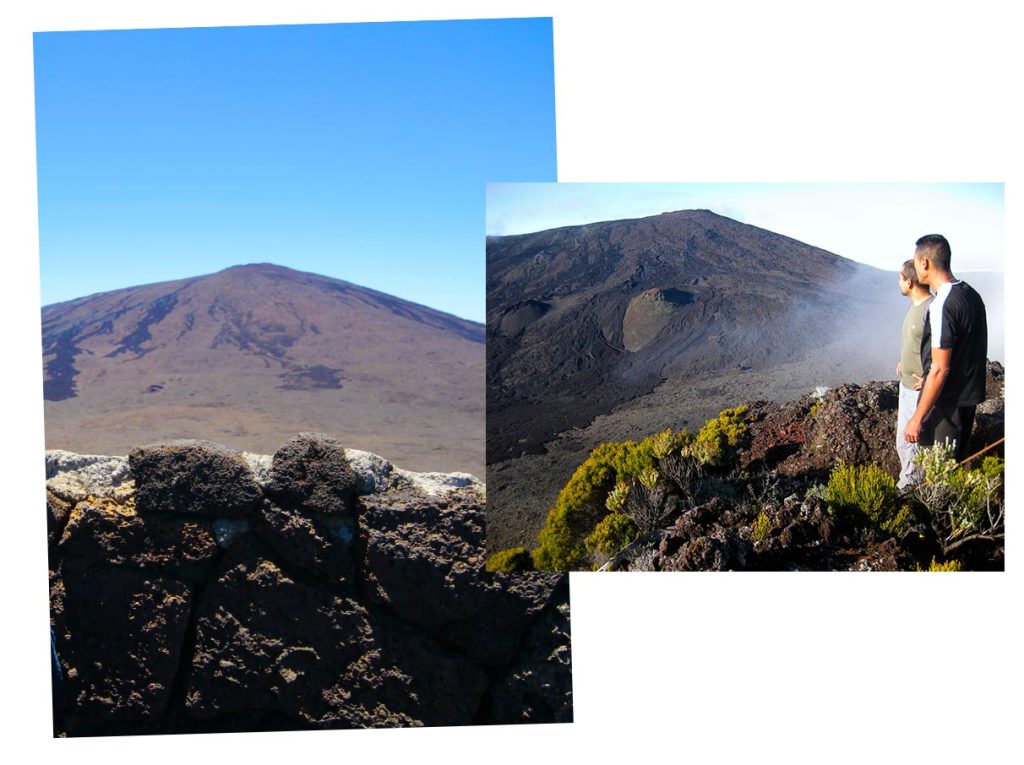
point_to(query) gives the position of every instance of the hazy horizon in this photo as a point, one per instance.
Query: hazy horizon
(873, 224)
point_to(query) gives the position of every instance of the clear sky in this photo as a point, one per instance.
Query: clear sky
(875, 224)
(359, 151)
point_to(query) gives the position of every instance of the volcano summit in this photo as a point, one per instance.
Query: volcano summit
(254, 353)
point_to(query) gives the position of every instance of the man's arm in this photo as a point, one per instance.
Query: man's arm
(930, 394)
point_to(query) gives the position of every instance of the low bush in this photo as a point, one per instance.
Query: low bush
(512, 559)
(720, 440)
(961, 502)
(583, 501)
(866, 489)
(614, 532)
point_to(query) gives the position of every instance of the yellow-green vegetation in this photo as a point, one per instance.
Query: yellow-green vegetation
(581, 504)
(949, 565)
(617, 497)
(816, 407)
(761, 527)
(512, 559)
(963, 496)
(614, 532)
(899, 522)
(664, 443)
(719, 441)
(866, 489)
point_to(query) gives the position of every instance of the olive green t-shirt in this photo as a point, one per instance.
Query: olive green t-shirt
(910, 353)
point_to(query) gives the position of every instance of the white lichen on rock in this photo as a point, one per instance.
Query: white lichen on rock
(77, 476)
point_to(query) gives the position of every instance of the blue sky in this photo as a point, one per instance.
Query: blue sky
(359, 151)
(875, 224)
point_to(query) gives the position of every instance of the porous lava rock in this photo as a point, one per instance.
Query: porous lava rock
(531, 689)
(194, 477)
(267, 640)
(169, 620)
(322, 546)
(104, 531)
(57, 513)
(120, 637)
(855, 424)
(424, 559)
(311, 473)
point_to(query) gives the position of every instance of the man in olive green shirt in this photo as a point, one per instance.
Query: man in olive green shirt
(909, 368)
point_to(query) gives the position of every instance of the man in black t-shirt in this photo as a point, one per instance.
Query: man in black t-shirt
(954, 347)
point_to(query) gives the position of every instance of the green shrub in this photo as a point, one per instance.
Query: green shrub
(993, 467)
(960, 500)
(592, 491)
(580, 505)
(614, 532)
(664, 443)
(512, 559)
(761, 527)
(949, 565)
(898, 523)
(721, 439)
(866, 489)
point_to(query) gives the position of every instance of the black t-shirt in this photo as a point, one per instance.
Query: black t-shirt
(957, 319)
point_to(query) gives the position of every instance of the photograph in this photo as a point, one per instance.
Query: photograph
(345, 340)
(263, 376)
(761, 377)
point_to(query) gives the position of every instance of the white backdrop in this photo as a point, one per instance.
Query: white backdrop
(793, 668)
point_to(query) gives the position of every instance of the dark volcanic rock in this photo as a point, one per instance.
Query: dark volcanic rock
(723, 549)
(105, 531)
(424, 560)
(196, 477)
(311, 473)
(266, 641)
(297, 619)
(855, 424)
(533, 689)
(57, 513)
(438, 686)
(119, 639)
(323, 547)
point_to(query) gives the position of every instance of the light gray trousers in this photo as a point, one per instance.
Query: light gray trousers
(909, 472)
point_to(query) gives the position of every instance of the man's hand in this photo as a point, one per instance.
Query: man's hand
(913, 429)
(918, 381)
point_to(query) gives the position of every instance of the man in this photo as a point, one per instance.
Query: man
(954, 346)
(909, 368)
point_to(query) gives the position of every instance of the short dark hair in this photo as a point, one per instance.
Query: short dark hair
(936, 249)
(910, 274)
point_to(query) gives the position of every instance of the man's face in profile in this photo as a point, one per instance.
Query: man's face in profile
(904, 284)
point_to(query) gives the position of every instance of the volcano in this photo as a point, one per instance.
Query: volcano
(614, 330)
(251, 355)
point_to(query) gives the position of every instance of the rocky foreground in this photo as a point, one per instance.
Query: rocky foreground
(197, 589)
(764, 516)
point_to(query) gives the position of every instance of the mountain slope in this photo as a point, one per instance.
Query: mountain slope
(602, 313)
(596, 332)
(252, 354)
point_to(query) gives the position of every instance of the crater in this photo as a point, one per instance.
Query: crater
(521, 315)
(649, 313)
